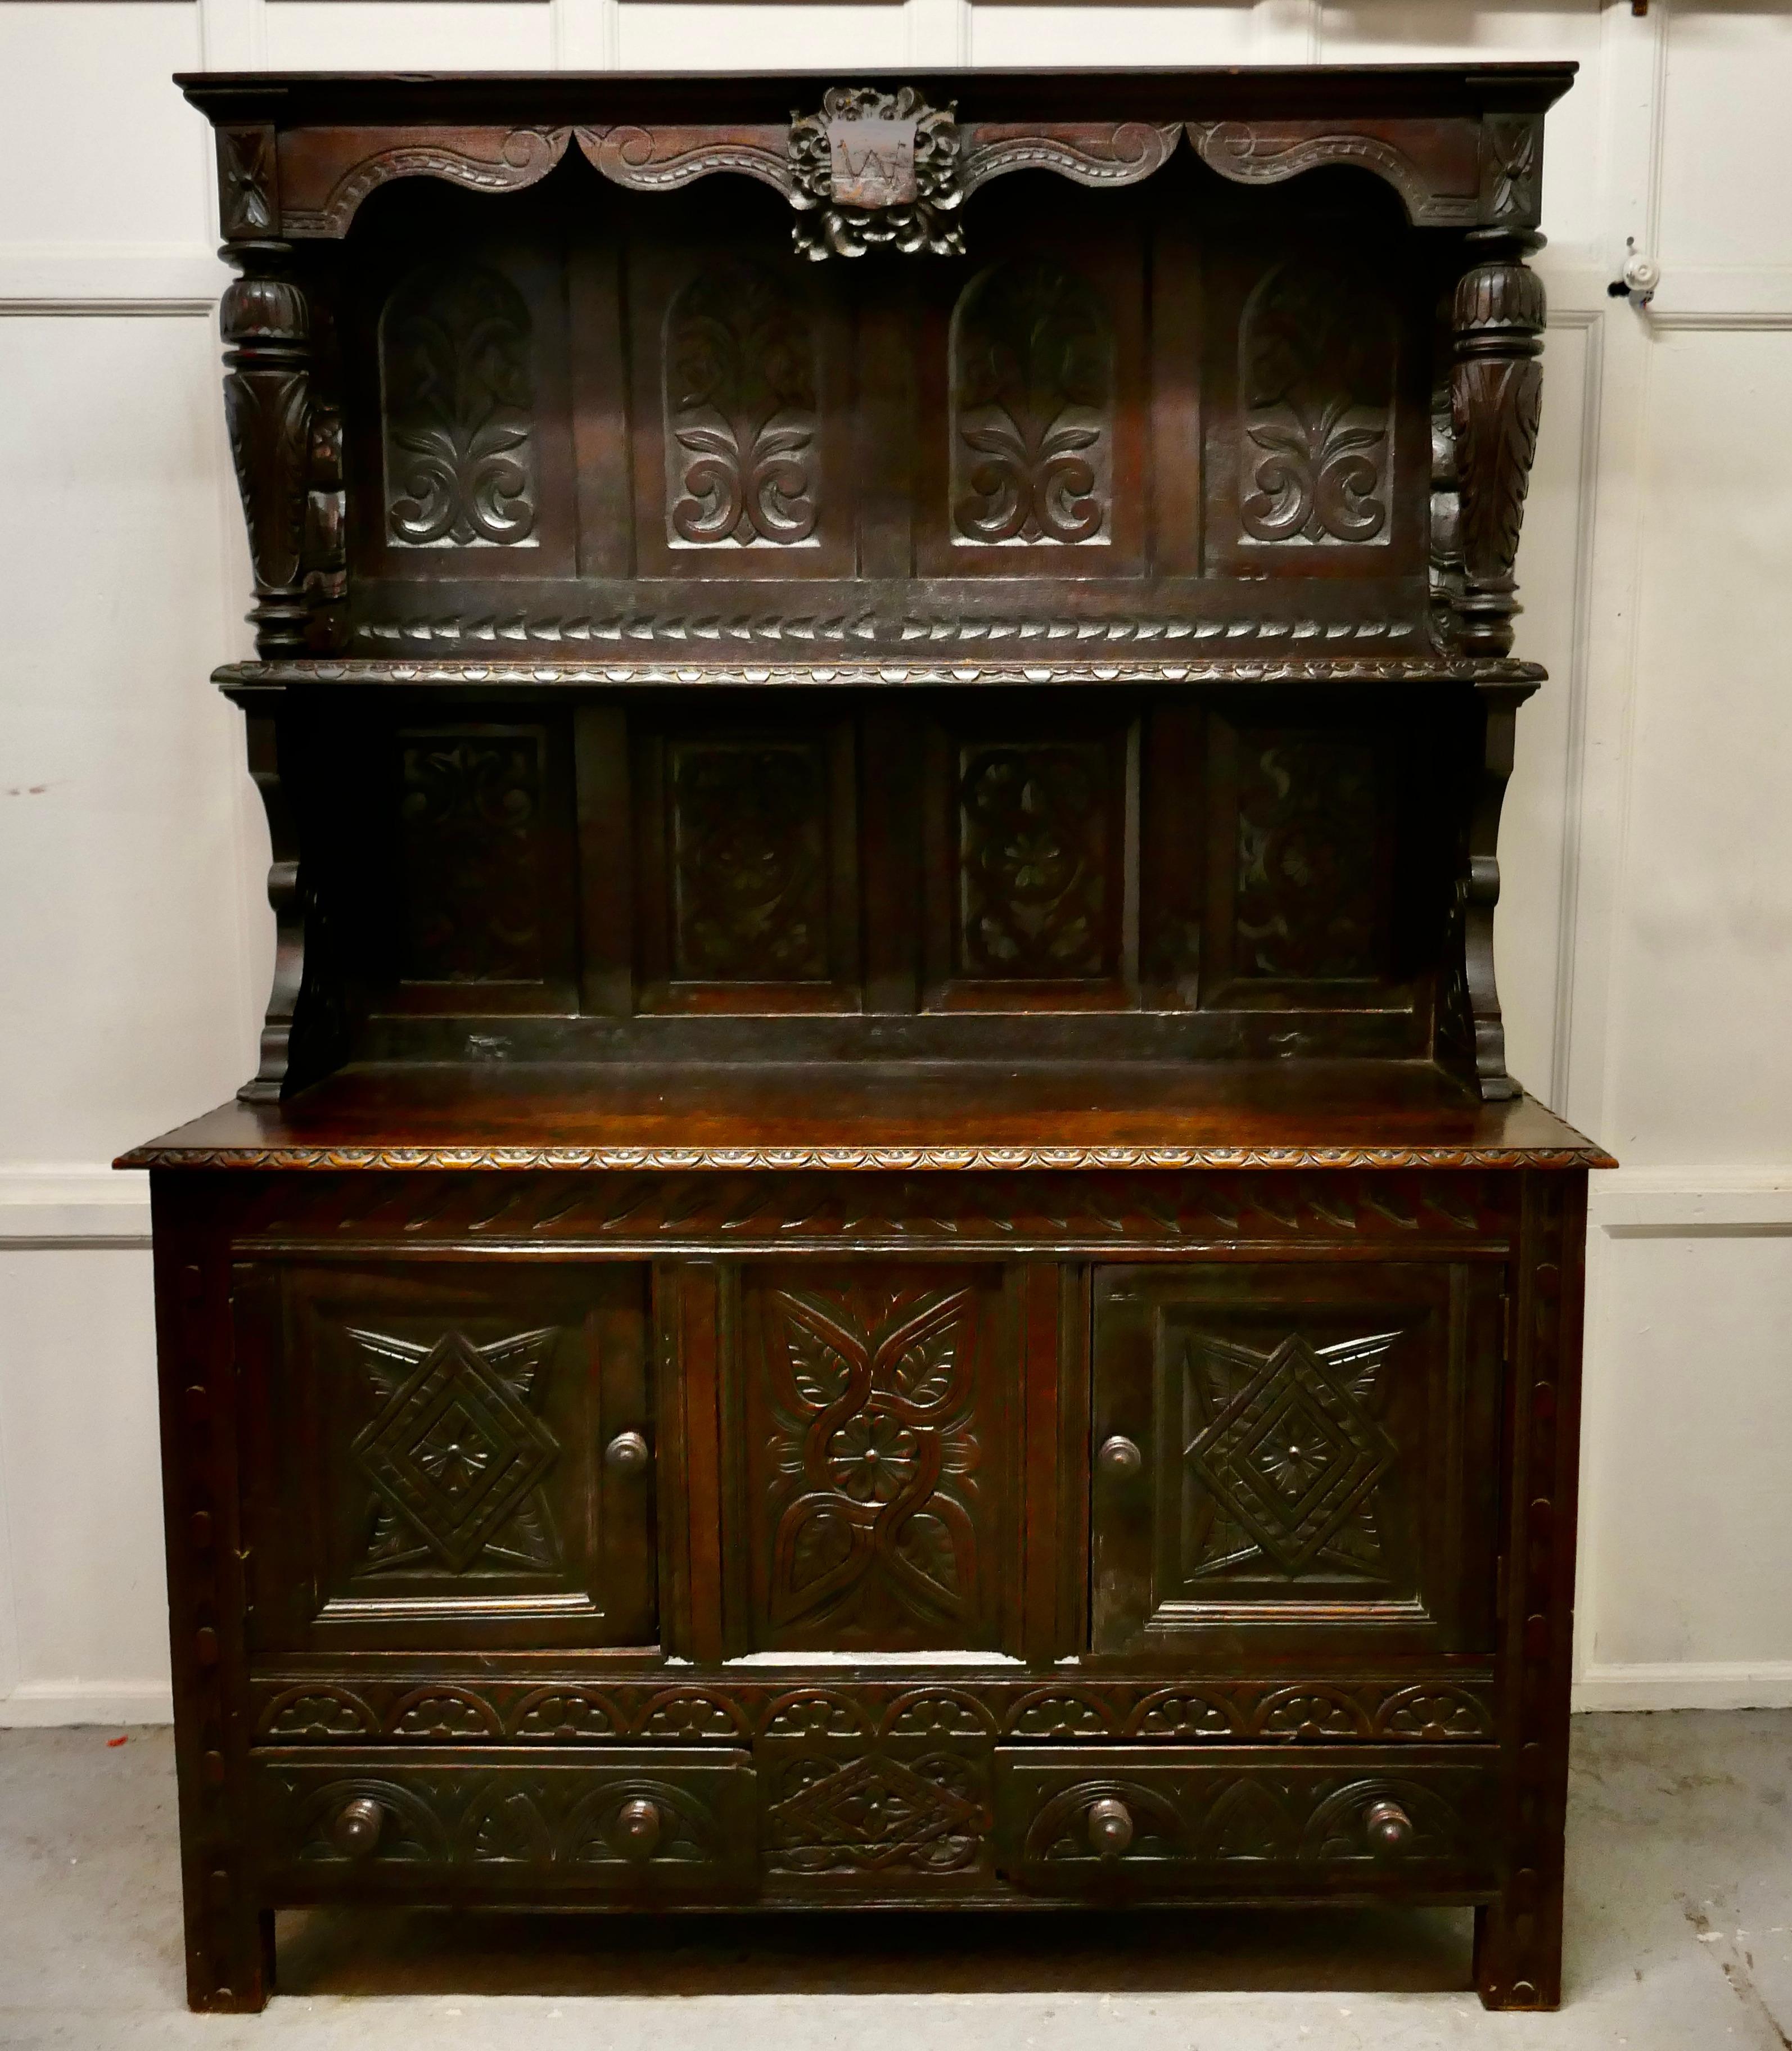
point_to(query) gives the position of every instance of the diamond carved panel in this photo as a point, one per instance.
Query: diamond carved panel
(456, 1454)
(1288, 1455)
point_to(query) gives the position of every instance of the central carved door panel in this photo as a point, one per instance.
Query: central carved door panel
(872, 1421)
(1290, 1455)
(448, 1456)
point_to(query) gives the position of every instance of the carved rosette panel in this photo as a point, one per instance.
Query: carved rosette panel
(741, 424)
(1308, 903)
(873, 1516)
(458, 391)
(1032, 425)
(875, 169)
(1287, 1453)
(455, 1456)
(1496, 403)
(247, 182)
(748, 862)
(471, 814)
(1316, 353)
(1036, 844)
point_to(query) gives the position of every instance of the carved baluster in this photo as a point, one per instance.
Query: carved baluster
(1496, 397)
(268, 403)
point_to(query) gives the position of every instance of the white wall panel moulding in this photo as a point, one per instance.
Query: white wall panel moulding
(36, 1705)
(53, 1205)
(100, 278)
(1691, 1201)
(1718, 1684)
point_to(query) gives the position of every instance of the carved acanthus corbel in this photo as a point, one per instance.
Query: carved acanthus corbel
(1496, 401)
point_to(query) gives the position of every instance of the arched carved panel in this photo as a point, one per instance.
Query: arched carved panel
(1316, 362)
(1031, 412)
(741, 421)
(458, 389)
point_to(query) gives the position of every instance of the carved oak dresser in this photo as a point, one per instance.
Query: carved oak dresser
(882, 1253)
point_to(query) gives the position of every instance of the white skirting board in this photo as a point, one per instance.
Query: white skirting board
(39, 1705)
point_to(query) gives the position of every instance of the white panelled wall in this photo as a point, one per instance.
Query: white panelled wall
(1645, 936)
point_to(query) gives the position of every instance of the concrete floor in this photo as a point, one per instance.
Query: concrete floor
(1680, 1938)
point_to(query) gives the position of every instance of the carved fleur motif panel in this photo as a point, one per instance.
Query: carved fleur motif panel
(741, 421)
(455, 1454)
(748, 859)
(1032, 395)
(1316, 358)
(876, 1466)
(458, 393)
(1286, 1454)
(475, 855)
(1308, 899)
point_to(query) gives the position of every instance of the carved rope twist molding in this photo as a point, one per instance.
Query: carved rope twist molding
(898, 1157)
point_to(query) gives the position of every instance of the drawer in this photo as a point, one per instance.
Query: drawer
(646, 1822)
(1232, 1821)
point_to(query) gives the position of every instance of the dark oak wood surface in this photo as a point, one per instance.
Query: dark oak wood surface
(891, 695)
(1137, 1114)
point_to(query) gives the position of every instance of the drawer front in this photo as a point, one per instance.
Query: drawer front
(444, 1454)
(1295, 1457)
(1139, 1822)
(643, 1822)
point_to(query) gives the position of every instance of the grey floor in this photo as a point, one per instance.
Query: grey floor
(1679, 1935)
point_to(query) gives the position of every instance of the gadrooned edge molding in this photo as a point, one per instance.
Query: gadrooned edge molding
(158, 1154)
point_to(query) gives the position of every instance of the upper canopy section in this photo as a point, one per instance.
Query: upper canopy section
(1461, 145)
(1241, 375)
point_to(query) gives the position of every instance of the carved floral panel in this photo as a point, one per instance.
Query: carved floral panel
(473, 837)
(1032, 397)
(1309, 858)
(1038, 845)
(1317, 357)
(742, 427)
(749, 834)
(876, 1461)
(458, 385)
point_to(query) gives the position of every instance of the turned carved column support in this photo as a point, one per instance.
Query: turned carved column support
(1496, 396)
(269, 405)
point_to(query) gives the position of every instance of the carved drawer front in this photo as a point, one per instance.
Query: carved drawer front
(1332, 1822)
(443, 1455)
(635, 1822)
(872, 1501)
(1296, 1454)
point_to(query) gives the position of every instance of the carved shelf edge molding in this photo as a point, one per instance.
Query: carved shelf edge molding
(635, 1159)
(1469, 172)
(326, 172)
(252, 676)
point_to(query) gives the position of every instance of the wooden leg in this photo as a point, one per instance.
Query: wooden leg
(229, 1957)
(1518, 1948)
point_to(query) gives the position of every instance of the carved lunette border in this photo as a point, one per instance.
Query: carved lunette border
(326, 172)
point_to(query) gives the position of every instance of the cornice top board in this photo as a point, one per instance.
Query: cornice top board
(299, 151)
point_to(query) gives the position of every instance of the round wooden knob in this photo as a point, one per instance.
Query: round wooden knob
(1110, 1826)
(626, 1453)
(1121, 1457)
(638, 1825)
(1389, 1827)
(358, 1826)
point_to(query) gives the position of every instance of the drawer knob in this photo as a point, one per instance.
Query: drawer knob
(1119, 1457)
(358, 1826)
(1389, 1826)
(1110, 1826)
(626, 1453)
(638, 1824)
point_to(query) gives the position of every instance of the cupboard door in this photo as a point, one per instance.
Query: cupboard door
(446, 1454)
(872, 1425)
(1295, 1454)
